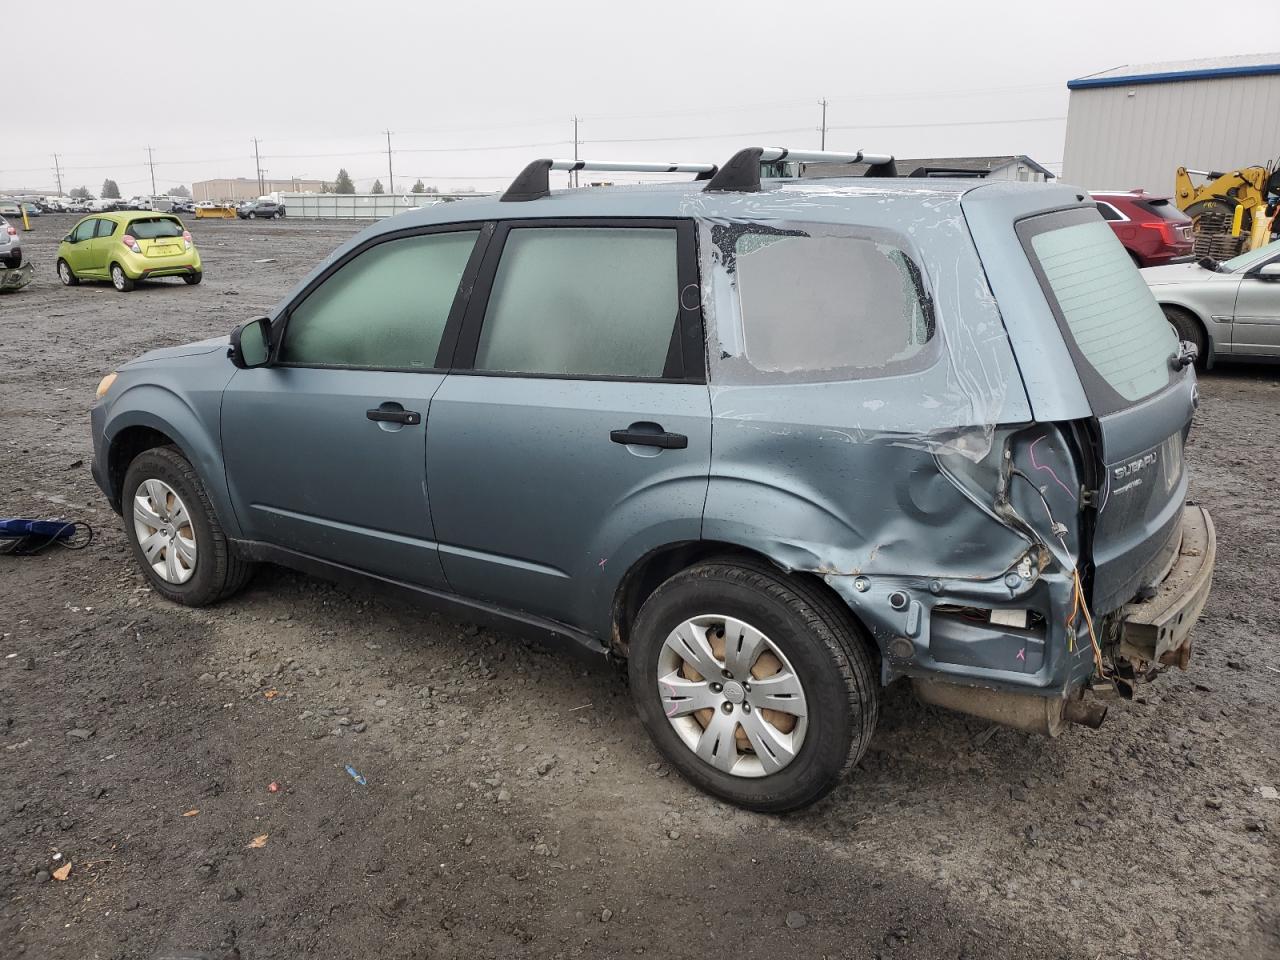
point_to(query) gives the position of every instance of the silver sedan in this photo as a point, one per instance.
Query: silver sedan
(1229, 310)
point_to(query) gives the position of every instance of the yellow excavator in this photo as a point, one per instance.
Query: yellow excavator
(1233, 211)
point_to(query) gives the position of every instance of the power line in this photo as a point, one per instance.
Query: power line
(943, 123)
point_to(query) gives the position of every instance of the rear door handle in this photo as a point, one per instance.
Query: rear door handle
(407, 417)
(645, 438)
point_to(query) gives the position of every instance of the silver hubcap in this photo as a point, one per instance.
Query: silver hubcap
(164, 531)
(117, 277)
(64, 271)
(732, 696)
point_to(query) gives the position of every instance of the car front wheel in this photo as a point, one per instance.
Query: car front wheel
(175, 535)
(759, 688)
(1186, 327)
(66, 275)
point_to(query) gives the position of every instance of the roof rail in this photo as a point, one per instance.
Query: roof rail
(742, 172)
(534, 183)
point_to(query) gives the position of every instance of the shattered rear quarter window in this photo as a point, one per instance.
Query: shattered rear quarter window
(843, 305)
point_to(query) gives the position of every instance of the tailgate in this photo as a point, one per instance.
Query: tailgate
(1123, 351)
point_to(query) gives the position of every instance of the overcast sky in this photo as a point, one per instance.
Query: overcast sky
(473, 90)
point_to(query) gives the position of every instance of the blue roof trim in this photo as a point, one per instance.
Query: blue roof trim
(1213, 74)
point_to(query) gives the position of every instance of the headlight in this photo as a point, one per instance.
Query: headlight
(105, 384)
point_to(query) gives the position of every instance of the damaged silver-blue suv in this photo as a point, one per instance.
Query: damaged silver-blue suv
(777, 442)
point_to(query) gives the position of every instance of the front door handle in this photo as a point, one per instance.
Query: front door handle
(647, 438)
(407, 417)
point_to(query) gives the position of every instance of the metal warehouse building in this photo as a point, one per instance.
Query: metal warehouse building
(1134, 126)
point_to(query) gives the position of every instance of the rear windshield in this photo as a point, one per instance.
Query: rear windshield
(154, 228)
(1164, 209)
(1119, 336)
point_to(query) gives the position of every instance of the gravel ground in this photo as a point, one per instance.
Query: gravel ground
(513, 806)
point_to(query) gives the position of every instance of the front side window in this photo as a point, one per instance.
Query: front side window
(828, 305)
(384, 309)
(84, 230)
(589, 301)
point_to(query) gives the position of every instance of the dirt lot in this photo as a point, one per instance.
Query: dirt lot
(514, 806)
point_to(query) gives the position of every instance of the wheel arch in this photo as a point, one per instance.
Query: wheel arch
(160, 418)
(1193, 314)
(645, 575)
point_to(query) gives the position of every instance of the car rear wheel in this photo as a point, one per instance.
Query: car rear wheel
(119, 279)
(252, 215)
(193, 278)
(759, 688)
(275, 216)
(174, 533)
(1186, 327)
(66, 275)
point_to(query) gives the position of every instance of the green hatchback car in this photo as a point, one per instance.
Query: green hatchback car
(128, 246)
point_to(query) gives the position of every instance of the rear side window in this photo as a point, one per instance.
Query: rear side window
(582, 301)
(106, 228)
(385, 309)
(155, 228)
(1120, 338)
(842, 305)
(1108, 211)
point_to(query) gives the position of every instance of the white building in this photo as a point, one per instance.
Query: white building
(1134, 126)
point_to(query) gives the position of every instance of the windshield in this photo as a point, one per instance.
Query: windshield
(1247, 260)
(155, 228)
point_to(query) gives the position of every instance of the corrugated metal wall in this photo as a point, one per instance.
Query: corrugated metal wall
(1118, 141)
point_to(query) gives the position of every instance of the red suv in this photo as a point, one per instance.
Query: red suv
(1152, 229)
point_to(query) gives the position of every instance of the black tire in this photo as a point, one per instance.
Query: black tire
(119, 279)
(828, 650)
(193, 278)
(1187, 327)
(252, 215)
(67, 275)
(219, 571)
(275, 216)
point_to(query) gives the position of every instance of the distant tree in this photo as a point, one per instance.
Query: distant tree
(418, 188)
(433, 190)
(80, 193)
(377, 187)
(110, 190)
(343, 184)
(179, 191)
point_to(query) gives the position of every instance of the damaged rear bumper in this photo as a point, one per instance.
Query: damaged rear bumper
(1158, 630)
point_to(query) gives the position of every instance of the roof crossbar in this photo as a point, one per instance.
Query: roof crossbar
(534, 181)
(742, 172)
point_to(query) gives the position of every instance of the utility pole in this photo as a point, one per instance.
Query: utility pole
(391, 177)
(823, 128)
(57, 172)
(257, 162)
(576, 121)
(152, 164)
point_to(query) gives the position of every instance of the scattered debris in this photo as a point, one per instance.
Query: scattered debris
(192, 813)
(258, 842)
(271, 694)
(263, 260)
(796, 920)
(62, 872)
(273, 787)
(355, 776)
(1268, 792)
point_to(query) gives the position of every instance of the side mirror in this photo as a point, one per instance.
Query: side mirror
(251, 343)
(1270, 271)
